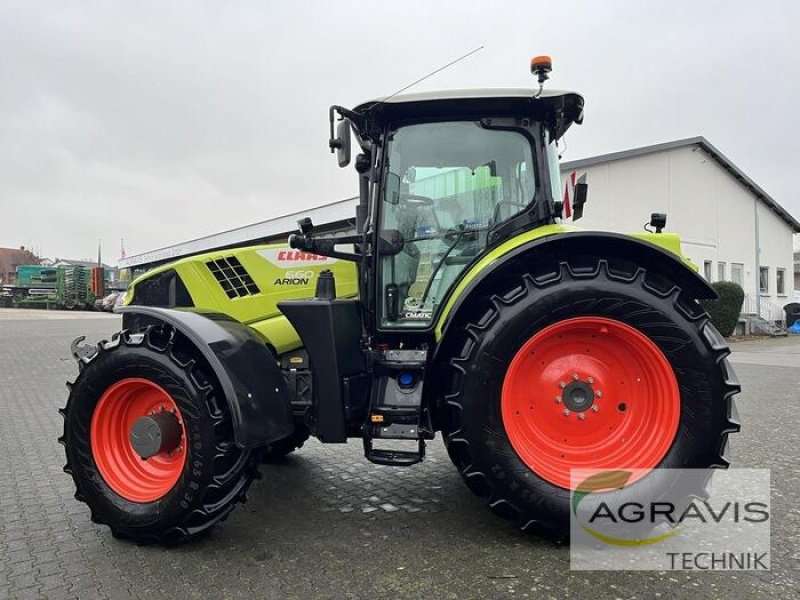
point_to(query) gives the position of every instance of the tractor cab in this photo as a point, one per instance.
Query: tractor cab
(455, 180)
(444, 177)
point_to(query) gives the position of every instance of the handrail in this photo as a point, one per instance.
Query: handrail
(763, 308)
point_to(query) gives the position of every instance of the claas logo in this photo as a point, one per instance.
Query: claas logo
(287, 257)
(294, 256)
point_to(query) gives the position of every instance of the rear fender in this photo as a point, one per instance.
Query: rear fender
(251, 381)
(655, 259)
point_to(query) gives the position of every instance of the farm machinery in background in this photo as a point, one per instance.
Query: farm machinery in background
(71, 287)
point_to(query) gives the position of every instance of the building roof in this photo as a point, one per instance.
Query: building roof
(712, 151)
(335, 212)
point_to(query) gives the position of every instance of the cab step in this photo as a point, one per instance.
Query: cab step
(392, 457)
(395, 411)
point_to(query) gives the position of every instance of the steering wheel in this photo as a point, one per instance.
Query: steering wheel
(417, 200)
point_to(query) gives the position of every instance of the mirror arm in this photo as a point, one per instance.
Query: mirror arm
(344, 113)
(326, 246)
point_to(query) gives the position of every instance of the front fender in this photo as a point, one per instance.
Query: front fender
(251, 381)
(564, 243)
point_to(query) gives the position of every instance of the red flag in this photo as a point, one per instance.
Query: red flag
(569, 190)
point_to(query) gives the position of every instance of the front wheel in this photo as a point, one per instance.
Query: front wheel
(590, 367)
(149, 442)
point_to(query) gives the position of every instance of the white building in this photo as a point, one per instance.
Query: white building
(722, 215)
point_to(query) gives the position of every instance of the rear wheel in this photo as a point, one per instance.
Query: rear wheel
(149, 442)
(586, 364)
(282, 448)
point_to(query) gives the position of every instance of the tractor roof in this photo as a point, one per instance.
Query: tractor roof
(560, 108)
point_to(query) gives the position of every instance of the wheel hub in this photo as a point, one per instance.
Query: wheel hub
(578, 396)
(153, 434)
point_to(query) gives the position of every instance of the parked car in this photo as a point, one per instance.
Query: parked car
(109, 301)
(120, 299)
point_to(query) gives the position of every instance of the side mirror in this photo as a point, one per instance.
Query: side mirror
(343, 137)
(341, 143)
(391, 188)
(581, 193)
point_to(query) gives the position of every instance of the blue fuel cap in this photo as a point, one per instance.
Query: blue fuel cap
(405, 379)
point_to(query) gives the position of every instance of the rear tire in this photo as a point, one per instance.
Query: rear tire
(282, 448)
(212, 479)
(497, 327)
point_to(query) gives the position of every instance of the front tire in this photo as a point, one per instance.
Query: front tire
(498, 425)
(179, 492)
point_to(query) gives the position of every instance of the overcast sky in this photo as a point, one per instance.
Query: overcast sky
(158, 122)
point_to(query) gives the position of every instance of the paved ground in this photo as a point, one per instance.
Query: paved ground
(326, 523)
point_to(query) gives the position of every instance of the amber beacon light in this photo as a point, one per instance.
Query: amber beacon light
(541, 66)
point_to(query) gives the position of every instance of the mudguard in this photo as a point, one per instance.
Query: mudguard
(647, 255)
(254, 387)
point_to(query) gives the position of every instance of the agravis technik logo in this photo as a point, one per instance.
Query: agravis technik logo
(670, 519)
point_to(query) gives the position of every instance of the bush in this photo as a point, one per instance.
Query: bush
(725, 310)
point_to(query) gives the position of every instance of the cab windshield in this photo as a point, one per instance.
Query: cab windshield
(447, 185)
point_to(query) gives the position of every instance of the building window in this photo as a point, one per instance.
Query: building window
(737, 273)
(721, 271)
(707, 270)
(763, 280)
(780, 275)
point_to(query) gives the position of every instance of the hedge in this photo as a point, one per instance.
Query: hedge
(725, 310)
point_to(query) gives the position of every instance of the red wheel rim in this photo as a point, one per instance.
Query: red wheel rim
(123, 470)
(590, 393)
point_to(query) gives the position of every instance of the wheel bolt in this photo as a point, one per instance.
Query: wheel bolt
(590, 380)
(562, 385)
(566, 412)
(599, 394)
(581, 416)
(558, 399)
(575, 376)
(595, 408)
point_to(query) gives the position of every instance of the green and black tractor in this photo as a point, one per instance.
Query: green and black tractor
(460, 303)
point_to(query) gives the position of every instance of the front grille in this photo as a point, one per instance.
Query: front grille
(232, 277)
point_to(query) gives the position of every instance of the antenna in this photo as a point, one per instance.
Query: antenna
(431, 74)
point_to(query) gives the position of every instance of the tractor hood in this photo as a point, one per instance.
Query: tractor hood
(560, 109)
